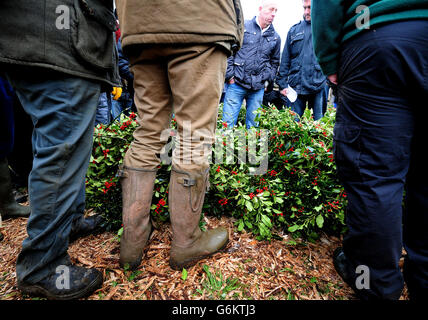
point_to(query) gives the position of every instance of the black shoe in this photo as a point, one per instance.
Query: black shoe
(9, 208)
(21, 196)
(83, 227)
(71, 282)
(341, 265)
(1, 236)
(344, 270)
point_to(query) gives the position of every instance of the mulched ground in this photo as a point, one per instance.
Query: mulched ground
(247, 269)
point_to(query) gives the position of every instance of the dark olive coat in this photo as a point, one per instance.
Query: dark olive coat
(71, 36)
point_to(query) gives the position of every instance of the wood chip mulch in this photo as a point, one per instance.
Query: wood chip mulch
(246, 269)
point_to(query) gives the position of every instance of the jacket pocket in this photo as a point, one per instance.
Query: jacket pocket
(293, 75)
(92, 33)
(238, 65)
(249, 38)
(347, 151)
(296, 44)
(295, 68)
(318, 77)
(272, 41)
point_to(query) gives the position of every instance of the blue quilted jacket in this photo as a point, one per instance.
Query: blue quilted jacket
(258, 59)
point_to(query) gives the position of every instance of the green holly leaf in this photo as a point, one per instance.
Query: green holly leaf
(320, 221)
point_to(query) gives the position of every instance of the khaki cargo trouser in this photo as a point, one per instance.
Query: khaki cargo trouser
(184, 80)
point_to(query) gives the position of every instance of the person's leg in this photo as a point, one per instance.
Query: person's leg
(299, 106)
(196, 108)
(102, 114)
(8, 205)
(127, 103)
(154, 105)
(416, 215)
(415, 220)
(223, 92)
(373, 134)
(7, 122)
(316, 103)
(9, 208)
(284, 102)
(62, 109)
(116, 108)
(21, 158)
(254, 102)
(233, 99)
(325, 101)
(84, 226)
(6, 129)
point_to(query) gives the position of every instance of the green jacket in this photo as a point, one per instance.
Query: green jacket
(336, 21)
(75, 37)
(181, 21)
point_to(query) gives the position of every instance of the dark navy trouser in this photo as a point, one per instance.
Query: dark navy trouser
(62, 108)
(380, 141)
(6, 118)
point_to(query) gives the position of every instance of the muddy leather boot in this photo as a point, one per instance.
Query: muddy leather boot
(137, 193)
(71, 282)
(189, 243)
(84, 226)
(9, 208)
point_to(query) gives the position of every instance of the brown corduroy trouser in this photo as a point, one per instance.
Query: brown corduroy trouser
(186, 80)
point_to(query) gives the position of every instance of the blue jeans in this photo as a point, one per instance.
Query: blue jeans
(116, 109)
(122, 105)
(223, 93)
(233, 99)
(104, 109)
(62, 109)
(315, 102)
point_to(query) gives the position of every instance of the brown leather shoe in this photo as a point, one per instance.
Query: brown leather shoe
(189, 243)
(137, 193)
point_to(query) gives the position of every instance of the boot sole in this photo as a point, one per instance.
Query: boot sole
(6, 216)
(39, 291)
(133, 265)
(193, 261)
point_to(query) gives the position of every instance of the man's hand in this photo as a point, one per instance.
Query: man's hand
(333, 78)
(232, 81)
(117, 92)
(284, 92)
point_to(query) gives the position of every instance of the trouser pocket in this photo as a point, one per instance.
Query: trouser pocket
(347, 151)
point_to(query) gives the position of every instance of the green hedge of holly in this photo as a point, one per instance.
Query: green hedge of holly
(298, 191)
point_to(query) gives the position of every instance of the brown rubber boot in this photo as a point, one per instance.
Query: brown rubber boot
(189, 243)
(9, 208)
(137, 193)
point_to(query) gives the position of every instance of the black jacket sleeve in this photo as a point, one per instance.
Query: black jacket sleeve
(284, 68)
